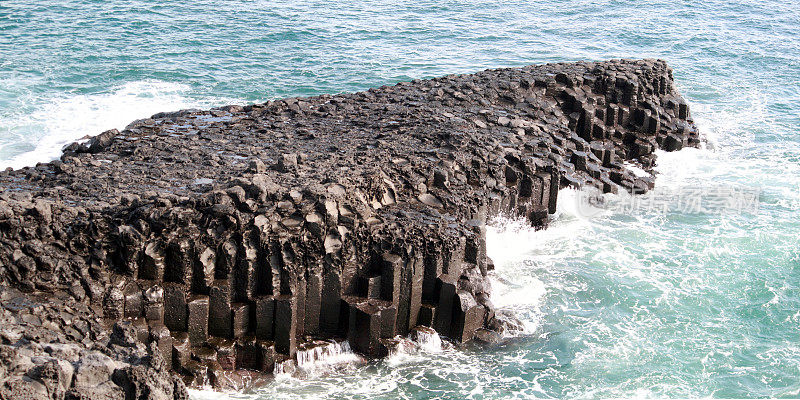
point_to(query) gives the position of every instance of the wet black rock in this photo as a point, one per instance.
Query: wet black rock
(196, 242)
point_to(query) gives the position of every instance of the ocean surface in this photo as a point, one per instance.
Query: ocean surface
(671, 297)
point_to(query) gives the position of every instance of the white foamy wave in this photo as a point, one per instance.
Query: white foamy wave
(206, 394)
(509, 243)
(285, 369)
(323, 354)
(58, 122)
(511, 240)
(421, 343)
(428, 340)
(730, 126)
(318, 358)
(638, 171)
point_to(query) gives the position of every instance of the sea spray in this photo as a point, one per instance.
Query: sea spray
(427, 339)
(421, 341)
(517, 295)
(285, 368)
(323, 353)
(44, 126)
(318, 357)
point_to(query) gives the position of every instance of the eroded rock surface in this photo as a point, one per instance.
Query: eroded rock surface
(201, 242)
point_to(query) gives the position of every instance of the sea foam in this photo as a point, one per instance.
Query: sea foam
(54, 123)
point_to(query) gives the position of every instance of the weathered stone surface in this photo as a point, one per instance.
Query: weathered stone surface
(285, 323)
(225, 352)
(265, 318)
(241, 319)
(367, 325)
(360, 215)
(468, 317)
(266, 356)
(247, 353)
(220, 311)
(154, 303)
(176, 312)
(181, 350)
(163, 340)
(198, 319)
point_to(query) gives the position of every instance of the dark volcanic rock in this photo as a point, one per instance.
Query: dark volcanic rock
(209, 240)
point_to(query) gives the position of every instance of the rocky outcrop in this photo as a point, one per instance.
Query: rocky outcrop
(201, 242)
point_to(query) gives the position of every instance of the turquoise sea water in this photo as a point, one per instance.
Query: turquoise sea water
(625, 304)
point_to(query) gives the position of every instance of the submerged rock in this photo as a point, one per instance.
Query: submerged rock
(199, 242)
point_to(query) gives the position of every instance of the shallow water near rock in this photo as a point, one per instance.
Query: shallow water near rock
(624, 304)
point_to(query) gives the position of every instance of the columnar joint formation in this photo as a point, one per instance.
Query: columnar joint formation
(228, 239)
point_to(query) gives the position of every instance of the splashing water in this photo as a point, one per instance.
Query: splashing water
(319, 353)
(427, 339)
(323, 357)
(318, 358)
(37, 132)
(422, 341)
(285, 368)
